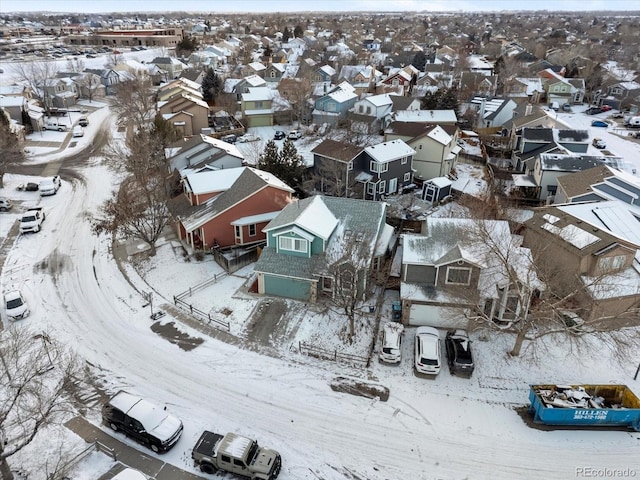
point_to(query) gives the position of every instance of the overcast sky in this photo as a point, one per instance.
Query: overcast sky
(88, 6)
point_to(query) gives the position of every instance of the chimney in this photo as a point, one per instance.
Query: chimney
(528, 109)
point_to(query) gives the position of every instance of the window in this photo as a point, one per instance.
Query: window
(238, 462)
(407, 177)
(349, 166)
(272, 74)
(225, 458)
(381, 186)
(293, 244)
(368, 110)
(458, 276)
(259, 104)
(238, 230)
(331, 107)
(378, 167)
(327, 284)
(371, 188)
(609, 264)
(252, 230)
(404, 160)
(361, 109)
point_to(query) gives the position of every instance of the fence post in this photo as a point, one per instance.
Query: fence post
(191, 309)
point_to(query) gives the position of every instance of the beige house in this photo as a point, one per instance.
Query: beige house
(187, 113)
(594, 269)
(256, 107)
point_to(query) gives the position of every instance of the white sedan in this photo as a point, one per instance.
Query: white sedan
(15, 305)
(248, 137)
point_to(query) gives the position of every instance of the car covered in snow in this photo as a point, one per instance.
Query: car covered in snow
(391, 343)
(599, 143)
(294, 135)
(142, 420)
(427, 351)
(459, 354)
(248, 137)
(15, 305)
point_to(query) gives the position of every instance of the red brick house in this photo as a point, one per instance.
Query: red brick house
(229, 207)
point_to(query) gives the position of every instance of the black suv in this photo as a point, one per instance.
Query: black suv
(142, 420)
(459, 354)
(279, 135)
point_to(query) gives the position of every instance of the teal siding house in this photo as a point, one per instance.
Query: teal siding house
(323, 246)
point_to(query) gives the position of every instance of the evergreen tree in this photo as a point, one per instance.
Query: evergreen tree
(286, 165)
(186, 46)
(298, 32)
(419, 60)
(286, 35)
(442, 99)
(211, 86)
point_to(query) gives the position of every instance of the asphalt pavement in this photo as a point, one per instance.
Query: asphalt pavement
(126, 455)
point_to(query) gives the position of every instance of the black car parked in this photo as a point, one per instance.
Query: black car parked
(593, 110)
(459, 355)
(279, 135)
(142, 420)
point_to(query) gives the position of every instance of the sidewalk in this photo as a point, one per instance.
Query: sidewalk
(129, 456)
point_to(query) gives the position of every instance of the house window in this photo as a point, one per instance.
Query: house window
(368, 110)
(293, 244)
(349, 166)
(331, 107)
(327, 284)
(407, 177)
(272, 74)
(238, 230)
(361, 109)
(259, 104)
(458, 276)
(381, 186)
(404, 160)
(611, 264)
(378, 167)
(371, 188)
(252, 230)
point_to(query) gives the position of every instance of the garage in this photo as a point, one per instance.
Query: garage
(437, 316)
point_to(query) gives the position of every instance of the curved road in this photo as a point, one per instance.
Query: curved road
(82, 298)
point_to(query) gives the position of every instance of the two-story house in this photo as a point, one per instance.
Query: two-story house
(187, 113)
(529, 142)
(228, 207)
(401, 80)
(170, 66)
(451, 272)
(621, 95)
(435, 146)
(493, 112)
(323, 246)
(596, 275)
(201, 150)
(385, 169)
(256, 107)
(332, 107)
(333, 168)
(599, 184)
(372, 112)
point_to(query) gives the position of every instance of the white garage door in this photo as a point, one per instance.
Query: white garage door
(440, 317)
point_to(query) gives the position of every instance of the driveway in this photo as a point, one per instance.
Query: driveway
(127, 455)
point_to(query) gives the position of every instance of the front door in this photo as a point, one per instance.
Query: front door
(393, 186)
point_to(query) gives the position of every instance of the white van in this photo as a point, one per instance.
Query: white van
(632, 122)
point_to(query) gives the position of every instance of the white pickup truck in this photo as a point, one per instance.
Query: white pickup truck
(32, 219)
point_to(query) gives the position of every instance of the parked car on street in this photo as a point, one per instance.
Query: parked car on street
(49, 186)
(78, 131)
(593, 110)
(231, 138)
(279, 135)
(28, 187)
(391, 343)
(142, 420)
(599, 123)
(15, 305)
(5, 204)
(599, 143)
(459, 355)
(606, 108)
(83, 121)
(427, 351)
(248, 137)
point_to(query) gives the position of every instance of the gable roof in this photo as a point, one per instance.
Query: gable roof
(311, 214)
(389, 151)
(344, 152)
(236, 184)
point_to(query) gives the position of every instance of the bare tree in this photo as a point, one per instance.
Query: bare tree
(134, 102)
(10, 146)
(348, 262)
(297, 91)
(89, 84)
(140, 207)
(75, 64)
(114, 58)
(37, 75)
(36, 373)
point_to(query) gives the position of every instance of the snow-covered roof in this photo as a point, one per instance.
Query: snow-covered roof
(212, 181)
(253, 219)
(315, 218)
(257, 94)
(389, 151)
(432, 116)
(439, 135)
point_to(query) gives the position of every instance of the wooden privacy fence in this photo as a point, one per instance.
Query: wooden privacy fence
(196, 312)
(333, 355)
(232, 261)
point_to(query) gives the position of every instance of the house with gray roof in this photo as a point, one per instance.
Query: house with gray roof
(530, 142)
(601, 183)
(229, 207)
(323, 247)
(190, 154)
(542, 180)
(454, 269)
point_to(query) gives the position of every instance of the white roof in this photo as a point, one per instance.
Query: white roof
(252, 219)
(572, 234)
(342, 95)
(439, 135)
(213, 180)
(318, 219)
(257, 66)
(257, 94)
(388, 151)
(379, 100)
(433, 116)
(441, 182)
